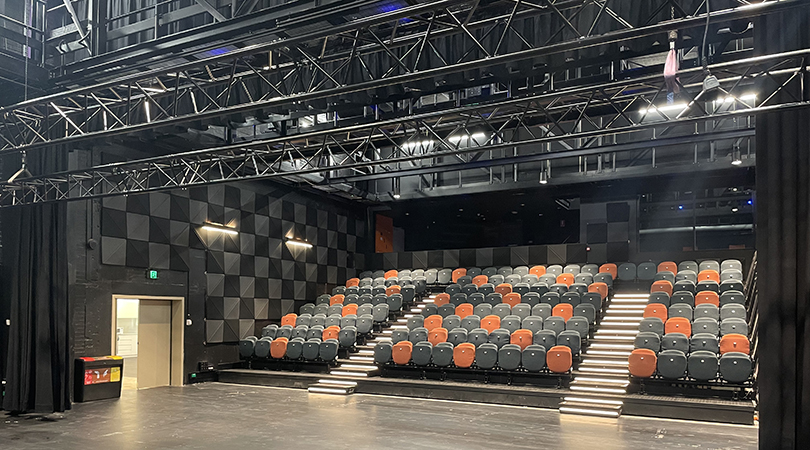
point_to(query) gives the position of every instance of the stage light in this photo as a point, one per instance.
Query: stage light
(543, 177)
(664, 108)
(736, 157)
(219, 228)
(680, 206)
(298, 243)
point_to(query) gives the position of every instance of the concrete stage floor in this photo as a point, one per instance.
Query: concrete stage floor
(222, 416)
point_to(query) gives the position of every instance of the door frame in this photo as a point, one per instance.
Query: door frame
(178, 331)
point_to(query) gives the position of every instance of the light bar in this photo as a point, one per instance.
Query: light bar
(340, 373)
(617, 296)
(602, 380)
(219, 228)
(615, 338)
(596, 412)
(606, 353)
(616, 346)
(603, 370)
(593, 400)
(603, 331)
(298, 243)
(598, 389)
(339, 382)
(730, 99)
(664, 108)
(605, 362)
(357, 366)
(320, 390)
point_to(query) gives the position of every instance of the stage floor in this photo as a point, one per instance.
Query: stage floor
(216, 415)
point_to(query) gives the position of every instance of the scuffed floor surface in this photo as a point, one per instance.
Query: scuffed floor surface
(228, 416)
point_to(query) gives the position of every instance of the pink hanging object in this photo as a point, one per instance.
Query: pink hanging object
(671, 70)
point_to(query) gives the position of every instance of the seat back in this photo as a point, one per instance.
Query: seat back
(652, 324)
(593, 298)
(583, 278)
(530, 298)
(546, 338)
(401, 352)
(609, 268)
(502, 310)
(704, 341)
(512, 279)
(642, 363)
(489, 271)
(600, 288)
(734, 342)
(289, 319)
(669, 276)
(564, 310)
(437, 335)
(380, 313)
(706, 325)
(707, 285)
(662, 286)
(656, 310)
(511, 323)
(457, 336)
(494, 299)
(709, 275)
(486, 289)
(565, 278)
(709, 265)
(447, 310)
(336, 299)
(471, 322)
(678, 325)
(646, 271)
(529, 279)
(452, 321)
(733, 325)
(352, 282)
(480, 280)
(497, 279)
(278, 348)
(469, 289)
(520, 289)
(349, 310)
(539, 288)
(551, 298)
(332, 332)
(707, 310)
(648, 340)
(579, 325)
(683, 297)
(434, 321)
(522, 310)
(542, 310)
(482, 310)
(348, 321)
(681, 310)
(559, 359)
(659, 297)
(503, 288)
(491, 323)
(735, 367)
(555, 324)
(572, 298)
(688, 265)
(586, 311)
(686, 275)
(365, 323)
(532, 323)
(668, 266)
(627, 272)
(464, 355)
(463, 310)
(707, 297)
(418, 335)
(445, 276)
(512, 299)
(675, 341)
(732, 310)
(474, 271)
(554, 269)
(538, 270)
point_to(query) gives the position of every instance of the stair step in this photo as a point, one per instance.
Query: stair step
(331, 388)
(601, 380)
(598, 390)
(589, 370)
(589, 411)
(594, 399)
(590, 405)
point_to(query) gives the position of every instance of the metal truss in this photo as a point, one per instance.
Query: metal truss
(603, 118)
(431, 41)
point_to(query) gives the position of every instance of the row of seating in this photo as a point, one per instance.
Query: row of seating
(378, 313)
(513, 280)
(522, 310)
(698, 342)
(669, 288)
(394, 301)
(511, 324)
(487, 356)
(647, 271)
(313, 349)
(561, 333)
(696, 277)
(514, 299)
(732, 367)
(732, 325)
(690, 298)
(701, 311)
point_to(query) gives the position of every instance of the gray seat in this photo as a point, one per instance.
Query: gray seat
(511, 323)
(394, 302)
(453, 289)
(308, 308)
(403, 273)
(549, 279)
(731, 264)
(380, 313)
(486, 289)
(262, 347)
(247, 346)
(652, 324)
(732, 310)
(300, 331)
(735, 367)
(532, 323)
(364, 309)
(422, 353)
(474, 271)
(365, 285)
(559, 288)
(573, 269)
(339, 290)
(500, 337)
(365, 274)
(332, 320)
(349, 320)
(447, 310)
(578, 324)
(531, 298)
(703, 365)
(417, 273)
(450, 322)
(418, 335)
(315, 332)
(533, 358)
(408, 294)
(521, 288)
(378, 274)
(572, 298)
(458, 299)
(502, 310)
(704, 341)
(457, 336)
(270, 331)
(571, 339)
(529, 279)
(551, 298)
(295, 347)
(731, 286)
(672, 364)
(659, 297)
(583, 278)
(627, 272)
(382, 352)
(431, 276)
(284, 331)
(378, 281)
(648, 340)
(509, 357)
(415, 322)
(399, 335)
(351, 299)
(646, 271)
(522, 310)
(443, 354)
(578, 288)
(365, 299)
(665, 275)
(542, 310)
(354, 290)
(675, 341)
(496, 279)
(489, 271)
(555, 324)
(303, 319)
(709, 265)
(469, 289)
(486, 356)
(471, 322)
(420, 284)
(444, 276)
(733, 325)
(592, 269)
(323, 299)
(686, 275)
(603, 278)
(321, 309)
(593, 298)
(705, 325)
(681, 310)
(707, 310)
(431, 309)
(475, 299)
(587, 311)
(684, 297)
(520, 270)
(335, 309)
(505, 271)
(482, 310)
(731, 297)
(393, 281)
(707, 285)
(477, 336)
(684, 286)
(546, 338)
(512, 279)
(688, 265)
(539, 287)
(554, 269)
(464, 280)
(365, 323)
(377, 290)
(347, 336)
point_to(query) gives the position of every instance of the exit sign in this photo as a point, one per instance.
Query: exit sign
(152, 274)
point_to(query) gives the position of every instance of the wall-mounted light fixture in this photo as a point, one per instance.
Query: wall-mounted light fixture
(208, 226)
(298, 243)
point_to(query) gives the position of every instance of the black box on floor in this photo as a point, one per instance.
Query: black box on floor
(97, 378)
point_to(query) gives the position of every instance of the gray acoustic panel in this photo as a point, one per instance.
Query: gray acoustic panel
(419, 260)
(117, 203)
(597, 254)
(214, 331)
(159, 204)
(274, 288)
(451, 259)
(262, 225)
(390, 261)
(300, 290)
(216, 284)
(230, 308)
(618, 232)
(247, 244)
(197, 212)
(247, 286)
(261, 308)
(261, 267)
(179, 233)
(483, 257)
(287, 306)
(519, 256)
(342, 224)
(113, 251)
(556, 254)
(231, 261)
(158, 256)
(137, 227)
(274, 209)
(246, 328)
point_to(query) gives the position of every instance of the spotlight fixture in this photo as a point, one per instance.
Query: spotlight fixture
(543, 177)
(736, 157)
(219, 228)
(396, 194)
(735, 209)
(298, 243)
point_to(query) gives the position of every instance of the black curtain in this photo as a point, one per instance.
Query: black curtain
(783, 243)
(39, 343)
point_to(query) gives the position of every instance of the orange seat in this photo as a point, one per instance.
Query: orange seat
(566, 279)
(503, 289)
(490, 323)
(441, 299)
(609, 268)
(331, 332)
(559, 359)
(523, 338)
(538, 270)
(656, 310)
(709, 275)
(434, 321)
(642, 363)
(564, 310)
(391, 290)
(662, 286)
(463, 310)
(352, 282)
(464, 355)
(437, 335)
(601, 288)
(349, 309)
(678, 325)
(704, 297)
(278, 348)
(480, 279)
(735, 343)
(391, 274)
(458, 273)
(512, 299)
(289, 319)
(401, 353)
(335, 299)
(668, 266)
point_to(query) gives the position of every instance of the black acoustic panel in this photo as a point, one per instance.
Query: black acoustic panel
(159, 230)
(597, 254)
(576, 253)
(557, 254)
(435, 259)
(138, 254)
(483, 257)
(538, 254)
(466, 258)
(596, 233)
(618, 212)
(113, 223)
(618, 252)
(214, 308)
(519, 256)
(420, 260)
(618, 231)
(138, 204)
(179, 209)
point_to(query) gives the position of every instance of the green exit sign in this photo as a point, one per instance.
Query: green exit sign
(152, 274)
